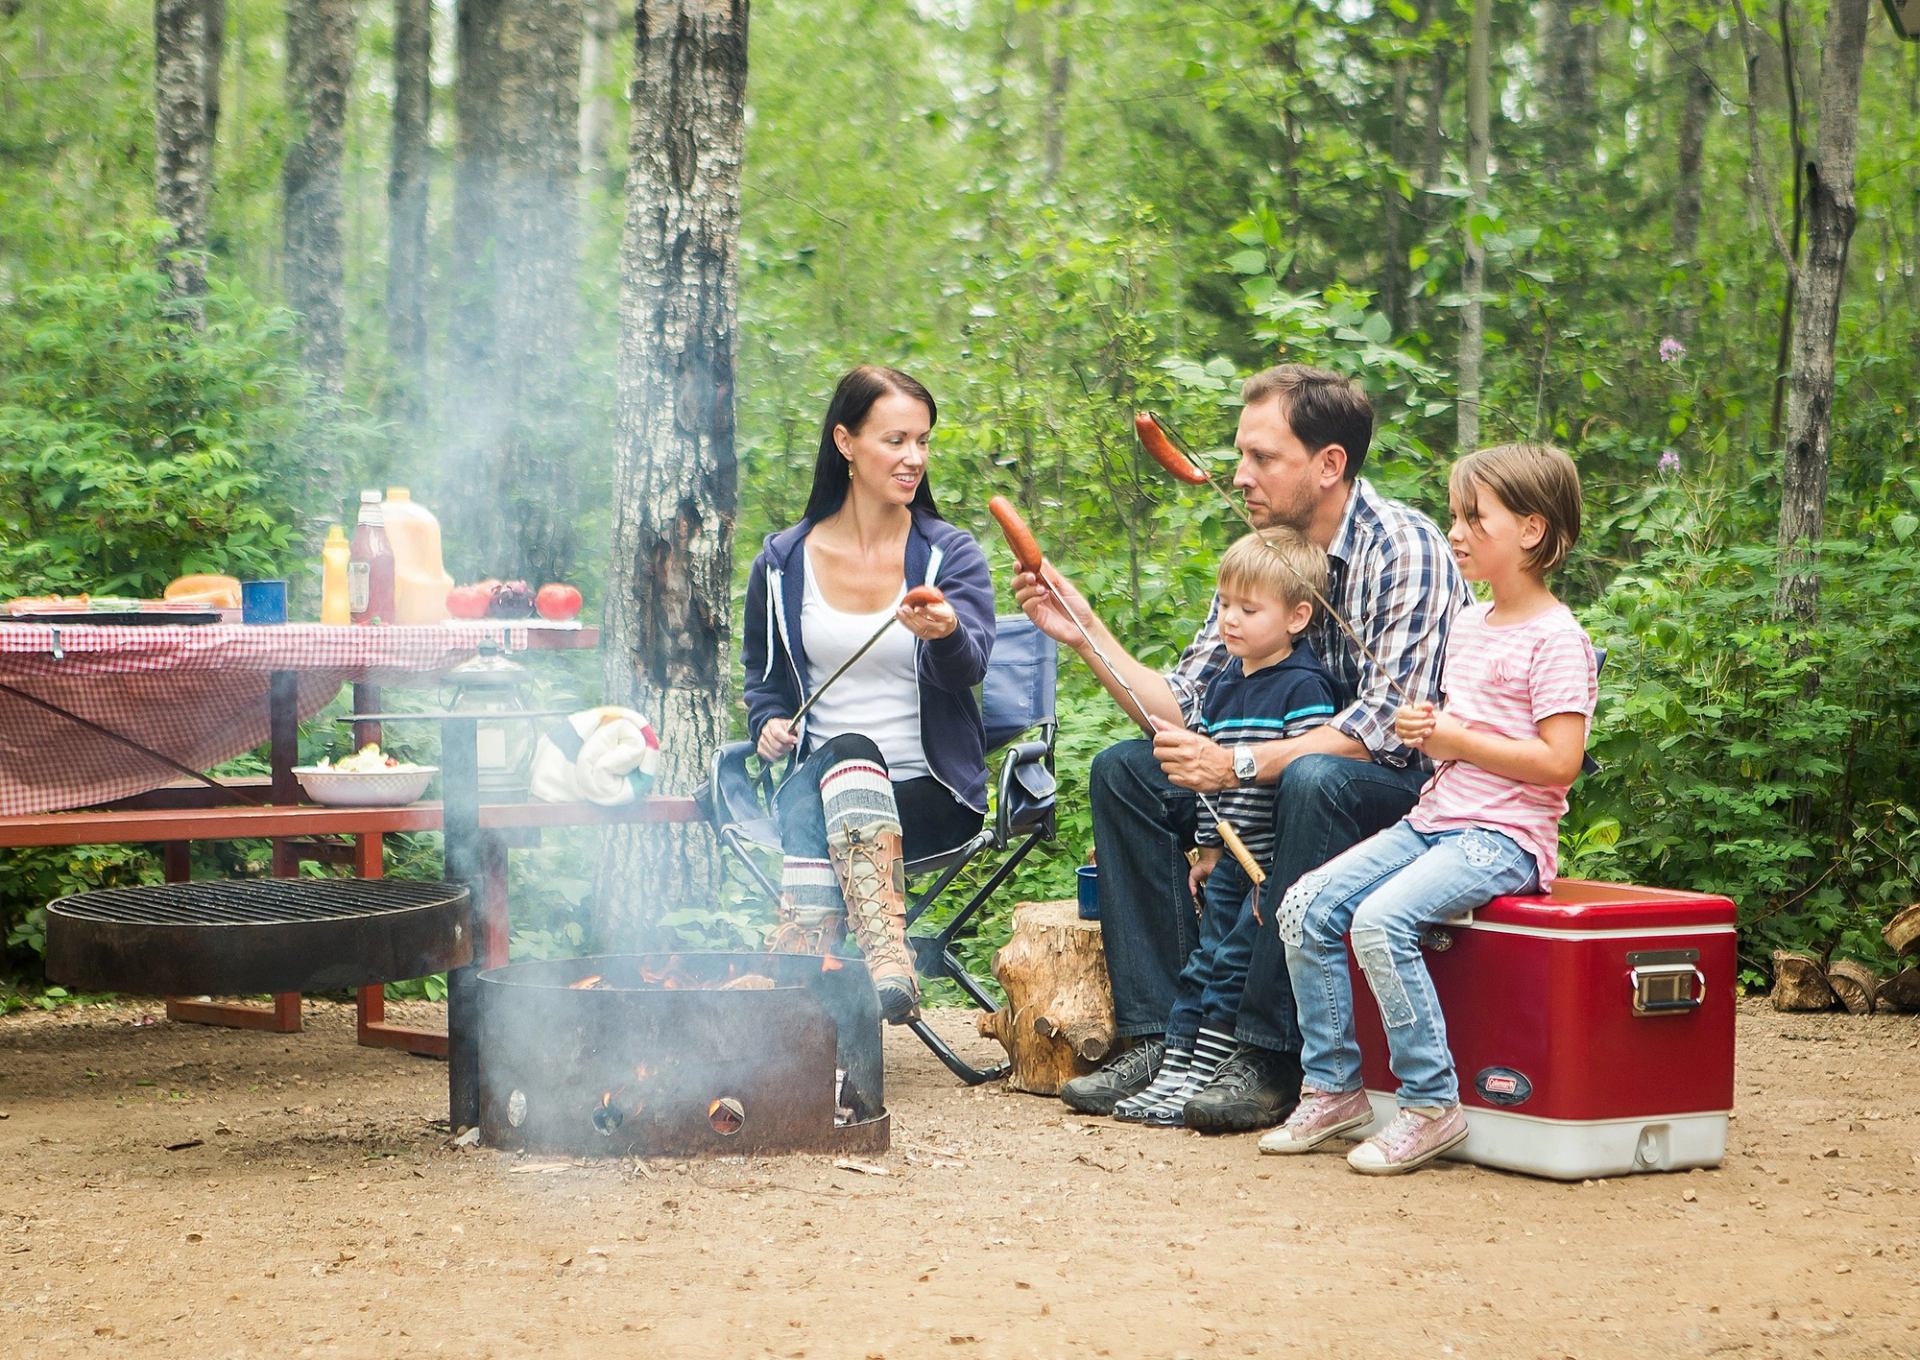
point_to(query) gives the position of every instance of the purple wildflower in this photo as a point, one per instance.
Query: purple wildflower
(1672, 351)
(1669, 461)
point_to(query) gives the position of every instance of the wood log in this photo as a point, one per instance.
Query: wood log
(1901, 992)
(1902, 933)
(1854, 983)
(1058, 1020)
(1799, 982)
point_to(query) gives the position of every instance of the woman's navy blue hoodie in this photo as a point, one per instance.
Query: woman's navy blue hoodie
(938, 554)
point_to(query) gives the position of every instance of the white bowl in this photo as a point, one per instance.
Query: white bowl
(371, 788)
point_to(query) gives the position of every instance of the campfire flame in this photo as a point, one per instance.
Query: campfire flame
(830, 964)
(726, 1115)
(587, 983)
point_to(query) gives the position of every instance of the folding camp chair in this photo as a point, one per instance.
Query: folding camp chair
(1016, 698)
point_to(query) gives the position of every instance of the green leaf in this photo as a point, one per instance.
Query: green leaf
(1247, 262)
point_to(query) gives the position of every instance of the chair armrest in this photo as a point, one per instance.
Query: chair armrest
(732, 792)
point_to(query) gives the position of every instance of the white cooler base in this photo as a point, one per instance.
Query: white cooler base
(1573, 1150)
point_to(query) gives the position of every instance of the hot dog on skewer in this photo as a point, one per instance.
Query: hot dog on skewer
(1026, 548)
(1154, 439)
(920, 596)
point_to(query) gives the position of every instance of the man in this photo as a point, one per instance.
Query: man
(1302, 438)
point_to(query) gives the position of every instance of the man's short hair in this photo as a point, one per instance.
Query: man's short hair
(1529, 479)
(1322, 406)
(1280, 561)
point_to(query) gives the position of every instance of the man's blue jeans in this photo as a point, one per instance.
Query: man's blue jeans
(1387, 891)
(1142, 825)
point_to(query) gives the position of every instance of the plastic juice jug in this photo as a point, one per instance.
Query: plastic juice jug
(370, 565)
(334, 605)
(420, 582)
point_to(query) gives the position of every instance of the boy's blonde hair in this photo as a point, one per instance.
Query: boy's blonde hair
(1280, 561)
(1529, 479)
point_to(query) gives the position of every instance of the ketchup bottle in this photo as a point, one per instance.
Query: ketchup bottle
(370, 565)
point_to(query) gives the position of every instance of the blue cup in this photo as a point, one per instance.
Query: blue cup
(1089, 876)
(263, 602)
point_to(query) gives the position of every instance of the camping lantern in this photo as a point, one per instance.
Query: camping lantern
(492, 690)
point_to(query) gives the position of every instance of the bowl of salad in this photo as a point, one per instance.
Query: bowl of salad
(367, 778)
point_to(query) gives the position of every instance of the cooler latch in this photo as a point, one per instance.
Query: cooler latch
(1665, 981)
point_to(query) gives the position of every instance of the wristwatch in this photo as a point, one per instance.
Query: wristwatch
(1246, 766)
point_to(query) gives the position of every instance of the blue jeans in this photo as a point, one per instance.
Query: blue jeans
(1387, 891)
(1142, 824)
(1215, 974)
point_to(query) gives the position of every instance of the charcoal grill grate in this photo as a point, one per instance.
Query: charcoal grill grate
(257, 935)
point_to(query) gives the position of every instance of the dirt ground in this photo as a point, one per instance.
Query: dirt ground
(320, 1210)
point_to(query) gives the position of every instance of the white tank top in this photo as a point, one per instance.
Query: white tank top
(880, 697)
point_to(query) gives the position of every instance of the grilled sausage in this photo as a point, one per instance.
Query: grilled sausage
(1155, 441)
(1026, 548)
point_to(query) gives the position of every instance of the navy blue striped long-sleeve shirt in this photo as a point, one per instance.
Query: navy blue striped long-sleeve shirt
(1393, 577)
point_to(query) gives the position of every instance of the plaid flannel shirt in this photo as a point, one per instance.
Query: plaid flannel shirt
(1392, 576)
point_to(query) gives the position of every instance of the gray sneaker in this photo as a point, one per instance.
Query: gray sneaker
(1128, 1074)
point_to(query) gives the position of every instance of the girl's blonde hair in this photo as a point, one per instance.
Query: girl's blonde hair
(1280, 562)
(1529, 479)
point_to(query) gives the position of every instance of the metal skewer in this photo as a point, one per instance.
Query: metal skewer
(844, 667)
(1228, 833)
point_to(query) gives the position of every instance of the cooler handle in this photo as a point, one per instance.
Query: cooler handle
(1665, 981)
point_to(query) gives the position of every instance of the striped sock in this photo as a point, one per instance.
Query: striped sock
(809, 889)
(1209, 1051)
(856, 795)
(1173, 1070)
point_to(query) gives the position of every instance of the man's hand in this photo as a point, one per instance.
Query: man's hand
(1191, 760)
(1205, 858)
(776, 739)
(1053, 603)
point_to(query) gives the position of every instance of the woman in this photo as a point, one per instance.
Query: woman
(893, 761)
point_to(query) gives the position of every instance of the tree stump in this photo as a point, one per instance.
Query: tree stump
(1058, 1020)
(1854, 983)
(1902, 933)
(1799, 982)
(1901, 992)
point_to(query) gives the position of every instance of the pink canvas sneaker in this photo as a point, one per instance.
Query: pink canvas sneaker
(1320, 1115)
(1416, 1136)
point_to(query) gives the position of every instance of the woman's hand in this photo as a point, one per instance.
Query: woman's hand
(929, 622)
(777, 738)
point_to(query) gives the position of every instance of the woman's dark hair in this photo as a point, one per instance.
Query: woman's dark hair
(852, 400)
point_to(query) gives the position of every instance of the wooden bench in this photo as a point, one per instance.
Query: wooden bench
(302, 831)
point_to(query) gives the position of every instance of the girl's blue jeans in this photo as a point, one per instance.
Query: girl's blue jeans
(1387, 890)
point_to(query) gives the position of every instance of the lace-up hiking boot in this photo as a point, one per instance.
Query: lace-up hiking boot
(873, 882)
(1416, 1136)
(1320, 1115)
(1256, 1088)
(1128, 1074)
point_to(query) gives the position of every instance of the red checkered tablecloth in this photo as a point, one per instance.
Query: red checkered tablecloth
(195, 693)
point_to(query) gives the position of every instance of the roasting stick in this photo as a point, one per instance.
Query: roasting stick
(1174, 454)
(1028, 557)
(919, 595)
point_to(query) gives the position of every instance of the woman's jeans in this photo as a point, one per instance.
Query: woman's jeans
(1387, 890)
(931, 819)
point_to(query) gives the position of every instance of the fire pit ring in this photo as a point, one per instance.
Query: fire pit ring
(680, 1055)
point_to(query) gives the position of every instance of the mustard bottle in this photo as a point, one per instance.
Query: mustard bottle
(334, 606)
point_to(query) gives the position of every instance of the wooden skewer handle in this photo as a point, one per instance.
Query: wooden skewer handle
(1238, 848)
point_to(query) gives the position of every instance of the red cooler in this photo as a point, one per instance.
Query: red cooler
(1592, 1029)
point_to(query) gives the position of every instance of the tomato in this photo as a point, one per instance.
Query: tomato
(470, 602)
(556, 601)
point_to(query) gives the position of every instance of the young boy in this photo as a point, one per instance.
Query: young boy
(1274, 686)
(1520, 691)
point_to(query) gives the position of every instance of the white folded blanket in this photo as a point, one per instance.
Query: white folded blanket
(605, 755)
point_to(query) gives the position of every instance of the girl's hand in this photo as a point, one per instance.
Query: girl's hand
(929, 622)
(1414, 723)
(777, 738)
(1204, 862)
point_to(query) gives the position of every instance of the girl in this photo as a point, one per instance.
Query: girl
(893, 764)
(1519, 688)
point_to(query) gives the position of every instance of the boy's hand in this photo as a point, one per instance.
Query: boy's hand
(1204, 860)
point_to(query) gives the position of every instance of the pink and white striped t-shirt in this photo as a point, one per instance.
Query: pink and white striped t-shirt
(1506, 679)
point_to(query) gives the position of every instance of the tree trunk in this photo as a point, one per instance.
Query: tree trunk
(517, 425)
(320, 38)
(1569, 53)
(1053, 113)
(1855, 984)
(596, 101)
(216, 27)
(1799, 983)
(407, 174)
(1696, 104)
(668, 640)
(1474, 274)
(183, 144)
(1058, 1020)
(1830, 218)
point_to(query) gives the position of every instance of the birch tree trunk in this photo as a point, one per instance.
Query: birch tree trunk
(516, 431)
(407, 172)
(320, 38)
(1473, 276)
(596, 103)
(668, 637)
(183, 141)
(1830, 221)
